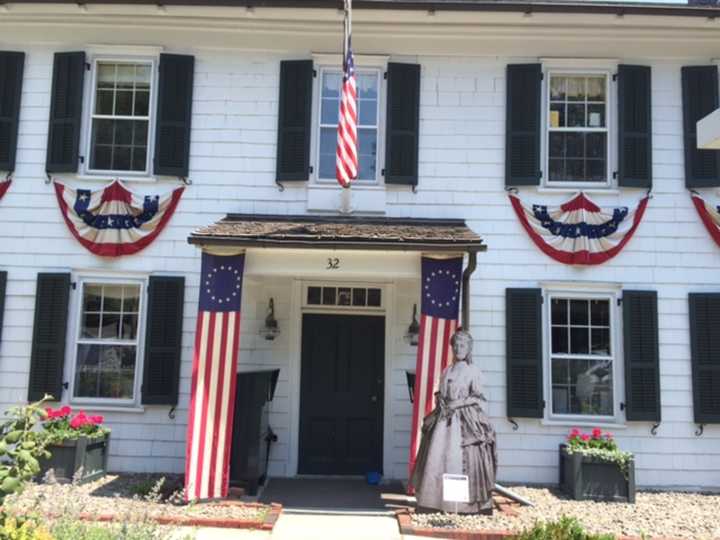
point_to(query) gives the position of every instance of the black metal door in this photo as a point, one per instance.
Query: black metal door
(341, 394)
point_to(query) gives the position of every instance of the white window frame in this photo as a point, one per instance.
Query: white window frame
(76, 329)
(89, 107)
(611, 295)
(324, 308)
(581, 68)
(363, 64)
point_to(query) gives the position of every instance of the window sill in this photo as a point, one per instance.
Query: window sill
(109, 408)
(582, 423)
(110, 177)
(577, 189)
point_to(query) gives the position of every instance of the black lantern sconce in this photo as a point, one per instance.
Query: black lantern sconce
(271, 330)
(413, 331)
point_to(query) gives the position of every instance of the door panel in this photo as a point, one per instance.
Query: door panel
(341, 394)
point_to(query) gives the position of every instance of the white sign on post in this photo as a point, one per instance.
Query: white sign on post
(456, 488)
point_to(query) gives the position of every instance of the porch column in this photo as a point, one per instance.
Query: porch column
(212, 391)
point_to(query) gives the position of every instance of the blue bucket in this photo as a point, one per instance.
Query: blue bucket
(373, 478)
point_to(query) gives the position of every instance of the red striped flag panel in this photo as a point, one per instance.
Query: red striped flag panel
(212, 398)
(346, 162)
(439, 319)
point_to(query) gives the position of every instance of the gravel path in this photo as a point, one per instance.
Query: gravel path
(661, 514)
(118, 494)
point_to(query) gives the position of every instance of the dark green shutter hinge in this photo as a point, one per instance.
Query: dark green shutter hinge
(314, 73)
(615, 175)
(542, 76)
(622, 405)
(88, 67)
(543, 404)
(310, 169)
(619, 301)
(615, 77)
(385, 75)
(73, 285)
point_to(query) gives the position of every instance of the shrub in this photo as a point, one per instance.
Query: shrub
(20, 446)
(14, 528)
(566, 528)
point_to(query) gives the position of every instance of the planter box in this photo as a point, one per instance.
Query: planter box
(587, 478)
(70, 456)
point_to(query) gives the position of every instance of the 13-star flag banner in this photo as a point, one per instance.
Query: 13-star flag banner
(212, 391)
(346, 160)
(440, 289)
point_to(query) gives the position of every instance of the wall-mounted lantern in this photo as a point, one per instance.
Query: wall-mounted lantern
(271, 330)
(413, 331)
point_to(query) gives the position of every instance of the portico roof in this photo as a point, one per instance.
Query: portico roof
(340, 232)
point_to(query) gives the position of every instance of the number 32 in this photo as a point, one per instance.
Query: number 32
(333, 263)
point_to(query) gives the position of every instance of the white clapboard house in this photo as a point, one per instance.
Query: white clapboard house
(478, 120)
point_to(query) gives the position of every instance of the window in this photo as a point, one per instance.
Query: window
(106, 365)
(577, 129)
(581, 356)
(120, 116)
(331, 296)
(368, 90)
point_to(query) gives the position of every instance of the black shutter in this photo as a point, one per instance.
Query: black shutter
(65, 112)
(705, 355)
(522, 124)
(700, 98)
(402, 133)
(642, 363)
(3, 289)
(161, 375)
(524, 364)
(635, 126)
(294, 119)
(11, 78)
(174, 114)
(47, 358)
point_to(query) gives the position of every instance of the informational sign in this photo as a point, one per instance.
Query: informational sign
(456, 488)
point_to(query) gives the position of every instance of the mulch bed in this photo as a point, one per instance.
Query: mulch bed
(656, 515)
(122, 497)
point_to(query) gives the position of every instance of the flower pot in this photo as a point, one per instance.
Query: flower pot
(71, 455)
(589, 478)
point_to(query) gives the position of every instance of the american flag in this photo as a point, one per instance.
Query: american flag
(212, 399)
(346, 160)
(440, 291)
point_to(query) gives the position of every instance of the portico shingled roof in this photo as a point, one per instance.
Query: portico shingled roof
(340, 232)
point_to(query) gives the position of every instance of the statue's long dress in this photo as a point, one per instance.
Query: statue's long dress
(457, 441)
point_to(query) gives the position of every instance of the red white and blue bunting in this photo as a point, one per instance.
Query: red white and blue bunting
(4, 185)
(579, 232)
(114, 221)
(709, 215)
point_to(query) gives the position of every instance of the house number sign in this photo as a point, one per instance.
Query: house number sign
(333, 263)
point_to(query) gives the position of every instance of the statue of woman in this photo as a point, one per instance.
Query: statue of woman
(457, 437)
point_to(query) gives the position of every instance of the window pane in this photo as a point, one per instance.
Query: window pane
(121, 158)
(576, 115)
(559, 311)
(125, 76)
(557, 170)
(559, 339)
(106, 75)
(123, 103)
(367, 86)
(579, 312)
(579, 340)
(123, 131)
(596, 145)
(105, 371)
(344, 296)
(128, 327)
(139, 159)
(600, 341)
(328, 142)
(367, 113)
(560, 371)
(373, 297)
(140, 129)
(600, 312)
(368, 153)
(131, 298)
(103, 131)
(90, 326)
(331, 85)
(596, 115)
(596, 89)
(313, 295)
(574, 145)
(330, 109)
(104, 102)
(329, 296)
(557, 88)
(112, 297)
(142, 76)
(592, 385)
(575, 88)
(142, 103)
(92, 298)
(110, 326)
(359, 297)
(557, 115)
(101, 158)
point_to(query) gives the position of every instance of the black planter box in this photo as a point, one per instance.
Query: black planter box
(587, 478)
(70, 456)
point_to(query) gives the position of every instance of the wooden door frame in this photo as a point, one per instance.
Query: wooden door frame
(295, 349)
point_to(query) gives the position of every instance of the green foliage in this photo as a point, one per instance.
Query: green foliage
(15, 528)
(61, 425)
(21, 446)
(566, 528)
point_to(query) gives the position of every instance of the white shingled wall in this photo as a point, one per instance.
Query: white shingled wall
(461, 175)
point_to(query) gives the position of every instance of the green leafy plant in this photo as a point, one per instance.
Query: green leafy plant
(566, 528)
(18, 528)
(21, 445)
(599, 445)
(62, 425)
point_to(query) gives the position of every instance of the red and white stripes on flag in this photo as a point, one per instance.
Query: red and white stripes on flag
(346, 160)
(214, 376)
(440, 289)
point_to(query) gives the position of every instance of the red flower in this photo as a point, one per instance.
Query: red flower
(97, 420)
(596, 433)
(609, 436)
(585, 437)
(79, 421)
(64, 411)
(574, 432)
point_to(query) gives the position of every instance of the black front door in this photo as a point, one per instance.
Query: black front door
(341, 394)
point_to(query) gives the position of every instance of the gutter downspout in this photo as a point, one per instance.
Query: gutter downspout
(472, 264)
